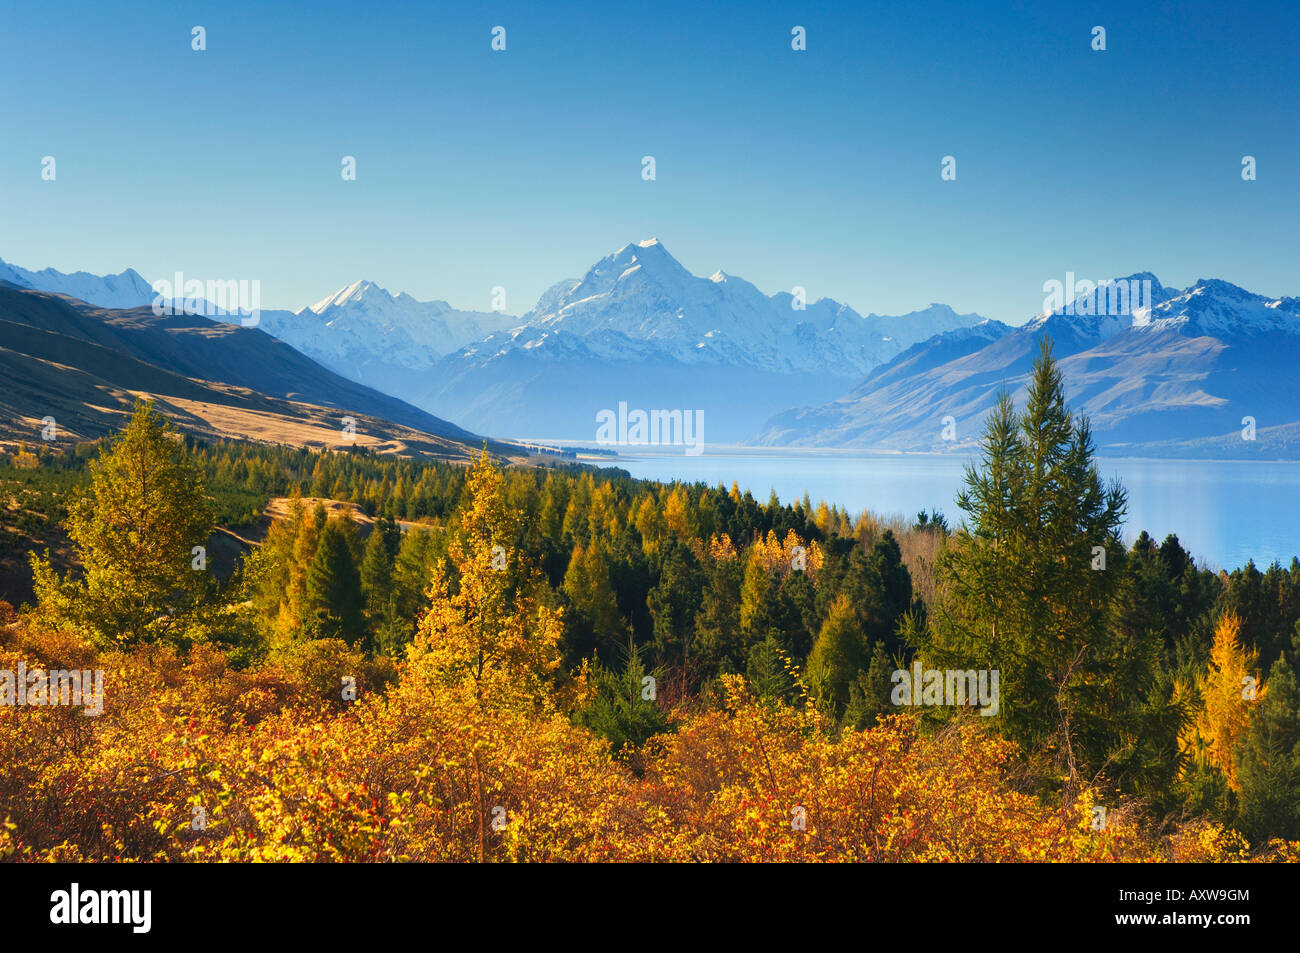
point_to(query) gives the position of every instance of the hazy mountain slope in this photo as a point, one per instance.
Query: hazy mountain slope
(639, 328)
(1182, 372)
(84, 366)
(89, 391)
(127, 290)
(193, 346)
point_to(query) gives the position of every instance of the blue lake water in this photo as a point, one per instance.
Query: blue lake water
(1223, 512)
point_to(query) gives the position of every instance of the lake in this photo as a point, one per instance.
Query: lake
(1223, 512)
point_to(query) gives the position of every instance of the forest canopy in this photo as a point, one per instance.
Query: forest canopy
(488, 662)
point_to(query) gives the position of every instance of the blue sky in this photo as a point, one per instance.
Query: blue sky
(818, 168)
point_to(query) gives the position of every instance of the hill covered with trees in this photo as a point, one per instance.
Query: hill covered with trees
(529, 663)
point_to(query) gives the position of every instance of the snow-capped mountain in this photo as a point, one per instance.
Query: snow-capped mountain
(1178, 375)
(377, 338)
(125, 290)
(639, 327)
(641, 295)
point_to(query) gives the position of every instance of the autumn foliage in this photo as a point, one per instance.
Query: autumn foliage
(433, 770)
(459, 715)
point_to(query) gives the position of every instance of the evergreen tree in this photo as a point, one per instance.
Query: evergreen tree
(378, 565)
(675, 601)
(769, 668)
(135, 534)
(797, 605)
(879, 587)
(720, 648)
(1025, 594)
(1268, 760)
(623, 708)
(840, 654)
(333, 603)
(417, 555)
(870, 691)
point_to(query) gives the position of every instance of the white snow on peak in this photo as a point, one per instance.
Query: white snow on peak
(640, 303)
(364, 323)
(125, 290)
(356, 291)
(1219, 308)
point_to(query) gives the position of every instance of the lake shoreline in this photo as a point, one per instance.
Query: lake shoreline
(1225, 512)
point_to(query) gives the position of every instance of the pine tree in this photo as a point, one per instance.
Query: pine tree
(870, 691)
(623, 709)
(135, 535)
(419, 551)
(1268, 760)
(1025, 592)
(333, 603)
(719, 645)
(769, 668)
(675, 601)
(838, 656)
(880, 589)
(377, 568)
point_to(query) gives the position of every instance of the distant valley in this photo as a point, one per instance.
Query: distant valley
(1198, 372)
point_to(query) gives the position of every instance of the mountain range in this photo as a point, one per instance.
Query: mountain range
(636, 328)
(127, 290)
(387, 341)
(1206, 371)
(84, 366)
(639, 328)
(1182, 373)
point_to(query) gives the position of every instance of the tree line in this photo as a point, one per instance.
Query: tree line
(1129, 672)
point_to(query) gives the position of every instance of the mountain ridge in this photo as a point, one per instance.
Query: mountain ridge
(84, 366)
(637, 325)
(1182, 375)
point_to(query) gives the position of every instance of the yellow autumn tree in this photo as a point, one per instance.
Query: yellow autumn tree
(491, 636)
(678, 515)
(650, 524)
(721, 548)
(1229, 691)
(783, 557)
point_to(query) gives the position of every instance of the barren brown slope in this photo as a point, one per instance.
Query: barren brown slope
(193, 346)
(85, 367)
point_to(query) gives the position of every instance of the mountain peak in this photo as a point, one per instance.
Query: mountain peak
(1218, 286)
(357, 292)
(127, 289)
(647, 259)
(647, 251)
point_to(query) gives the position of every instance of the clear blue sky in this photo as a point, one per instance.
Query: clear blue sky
(521, 168)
